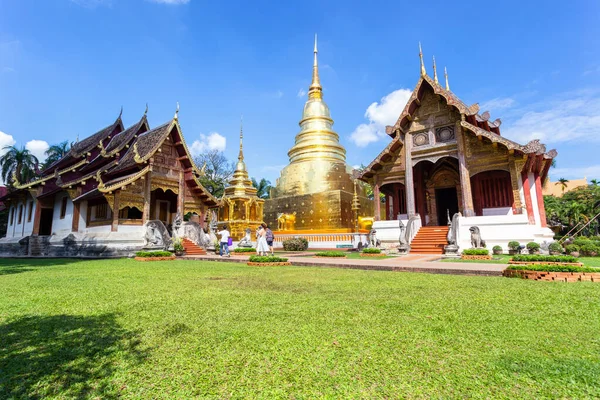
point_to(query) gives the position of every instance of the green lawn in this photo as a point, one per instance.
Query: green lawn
(503, 259)
(182, 329)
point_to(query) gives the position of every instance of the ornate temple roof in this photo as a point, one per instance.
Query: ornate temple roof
(477, 124)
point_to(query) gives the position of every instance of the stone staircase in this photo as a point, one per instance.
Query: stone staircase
(192, 249)
(429, 240)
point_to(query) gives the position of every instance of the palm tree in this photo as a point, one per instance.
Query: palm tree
(563, 182)
(18, 162)
(56, 152)
(263, 188)
(595, 182)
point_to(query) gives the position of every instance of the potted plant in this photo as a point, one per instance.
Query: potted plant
(497, 250)
(513, 247)
(572, 249)
(533, 247)
(555, 248)
(217, 247)
(178, 247)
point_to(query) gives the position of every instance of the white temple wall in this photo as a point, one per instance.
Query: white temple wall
(25, 227)
(65, 224)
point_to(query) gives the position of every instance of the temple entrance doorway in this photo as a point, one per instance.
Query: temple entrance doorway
(446, 202)
(46, 221)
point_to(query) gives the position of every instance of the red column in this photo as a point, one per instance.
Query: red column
(540, 198)
(76, 211)
(527, 193)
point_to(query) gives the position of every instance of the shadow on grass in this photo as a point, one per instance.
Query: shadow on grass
(17, 265)
(64, 356)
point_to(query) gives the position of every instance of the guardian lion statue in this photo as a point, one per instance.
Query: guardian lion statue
(373, 241)
(476, 241)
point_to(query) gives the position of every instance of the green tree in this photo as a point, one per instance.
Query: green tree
(595, 182)
(563, 182)
(217, 171)
(17, 162)
(56, 152)
(263, 188)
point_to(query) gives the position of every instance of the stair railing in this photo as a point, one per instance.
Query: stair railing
(452, 237)
(412, 227)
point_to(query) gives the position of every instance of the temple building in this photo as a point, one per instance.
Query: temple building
(240, 207)
(315, 191)
(445, 157)
(106, 193)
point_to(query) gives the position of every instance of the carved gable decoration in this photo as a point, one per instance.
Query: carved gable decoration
(444, 134)
(420, 139)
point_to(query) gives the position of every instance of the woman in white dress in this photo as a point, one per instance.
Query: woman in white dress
(262, 248)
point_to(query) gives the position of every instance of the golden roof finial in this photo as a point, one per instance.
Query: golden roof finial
(176, 116)
(423, 72)
(99, 179)
(121, 113)
(315, 87)
(136, 156)
(435, 78)
(241, 155)
(146, 112)
(446, 75)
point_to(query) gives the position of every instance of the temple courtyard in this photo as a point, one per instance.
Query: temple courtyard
(118, 328)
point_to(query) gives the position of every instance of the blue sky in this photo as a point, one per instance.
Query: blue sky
(67, 67)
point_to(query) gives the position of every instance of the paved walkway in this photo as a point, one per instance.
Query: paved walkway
(409, 263)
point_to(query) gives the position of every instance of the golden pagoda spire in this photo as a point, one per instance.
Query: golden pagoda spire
(241, 155)
(446, 75)
(435, 78)
(423, 72)
(315, 88)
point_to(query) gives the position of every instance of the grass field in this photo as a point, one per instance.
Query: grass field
(181, 329)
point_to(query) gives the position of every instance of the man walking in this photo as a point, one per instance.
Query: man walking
(224, 242)
(270, 238)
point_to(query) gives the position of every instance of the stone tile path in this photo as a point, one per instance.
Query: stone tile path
(409, 263)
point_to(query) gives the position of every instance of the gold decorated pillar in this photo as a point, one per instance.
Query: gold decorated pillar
(115, 213)
(147, 192)
(514, 181)
(181, 195)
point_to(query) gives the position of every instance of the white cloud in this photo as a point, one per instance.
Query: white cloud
(568, 117)
(499, 103)
(37, 148)
(172, 2)
(212, 141)
(279, 94)
(386, 112)
(6, 140)
(301, 92)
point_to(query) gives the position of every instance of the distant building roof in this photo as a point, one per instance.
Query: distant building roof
(556, 189)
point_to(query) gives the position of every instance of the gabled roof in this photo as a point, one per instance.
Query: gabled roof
(143, 147)
(118, 142)
(80, 149)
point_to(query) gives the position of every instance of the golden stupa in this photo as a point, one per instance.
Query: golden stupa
(315, 191)
(240, 207)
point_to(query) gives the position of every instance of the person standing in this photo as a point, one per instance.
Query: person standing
(224, 242)
(270, 237)
(261, 247)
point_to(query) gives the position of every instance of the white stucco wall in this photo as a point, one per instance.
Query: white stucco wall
(64, 225)
(25, 228)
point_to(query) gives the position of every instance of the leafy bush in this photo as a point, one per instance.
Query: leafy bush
(372, 250)
(543, 258)
(555, 247)
(178, 244)
(553, 268)
(572, 248)
(476, 252)
(295, 244)
(266, 259)
(514, 245)
(244, 250)
(590, 250)
(330, 254)
(533, 246)
(158, 253)
(217, 247)
(582, 241)
(497, 248)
